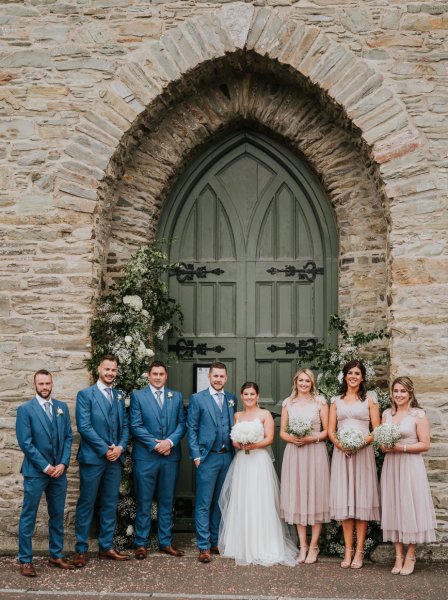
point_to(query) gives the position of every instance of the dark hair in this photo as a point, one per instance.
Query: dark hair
(217, 365)
(408, 385)
(250, 384)
(41, 372)
(362, 386)
(157, 363)
(110, 357)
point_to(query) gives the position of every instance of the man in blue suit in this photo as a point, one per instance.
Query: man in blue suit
(209, 421)
(103, 426)
(44, 434)
(157, 418)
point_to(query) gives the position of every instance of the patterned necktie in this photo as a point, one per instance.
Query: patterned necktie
(219, 395)
(110, 395)
(159, 398)
(47, 407)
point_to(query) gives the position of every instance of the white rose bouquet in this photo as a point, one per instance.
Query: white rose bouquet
(299, 426)
(244, 432)
(351, 440)
(386, 435)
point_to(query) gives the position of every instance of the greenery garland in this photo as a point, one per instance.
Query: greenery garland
(131, 323)
(328, 361)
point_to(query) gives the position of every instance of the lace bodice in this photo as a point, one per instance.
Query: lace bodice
(354, 416)
(308, 409)
(408, 426)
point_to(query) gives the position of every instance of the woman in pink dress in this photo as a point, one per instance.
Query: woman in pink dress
(354, 493)
(305, 477)
(408, 512)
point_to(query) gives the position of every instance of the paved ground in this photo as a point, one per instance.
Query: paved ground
(164, 577)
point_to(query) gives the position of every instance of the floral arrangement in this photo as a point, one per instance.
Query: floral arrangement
(133, 318)
(245, 432)
(299, 426)
(328, 361)
(351, 440)
(131, 322)
(386, 435)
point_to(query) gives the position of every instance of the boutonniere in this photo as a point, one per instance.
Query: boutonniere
(231, 403)
(169, 395)
(59, 412)
(120, 396)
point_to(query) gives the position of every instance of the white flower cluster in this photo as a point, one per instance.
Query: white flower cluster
(134, 302)
(162, 330)
(351, 439)
(299, 426)
(386, 435)
(245, 432)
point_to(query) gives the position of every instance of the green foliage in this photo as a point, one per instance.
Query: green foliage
(133, 318)
(328, 362)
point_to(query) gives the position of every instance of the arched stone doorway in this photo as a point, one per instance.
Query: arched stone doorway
(257, 241)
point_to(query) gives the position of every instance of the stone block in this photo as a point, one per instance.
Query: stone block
(92, 63)
(356, 19)
(387, 40)
(237, 18)
(143, 28)
(31, 57)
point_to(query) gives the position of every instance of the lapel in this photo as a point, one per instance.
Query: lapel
(229, 409)
(59, 422)
(208, 399)
(168, 402)
(120, 414)
(41, 415)
(151, 404)
(102, 401)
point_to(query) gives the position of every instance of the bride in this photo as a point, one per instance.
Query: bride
(251, 530)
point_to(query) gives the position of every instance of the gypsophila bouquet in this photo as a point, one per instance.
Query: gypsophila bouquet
(386, 435)
(351, 440)
(245, 432)
(299, 426)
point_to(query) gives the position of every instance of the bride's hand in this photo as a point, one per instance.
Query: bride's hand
(249, 446)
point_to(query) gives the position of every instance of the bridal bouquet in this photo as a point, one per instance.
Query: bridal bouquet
(299, 426)
(386, 435)
(245, 432)
(351, 439)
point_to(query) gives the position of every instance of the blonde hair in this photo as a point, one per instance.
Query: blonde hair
(408, 385)
(294, 390)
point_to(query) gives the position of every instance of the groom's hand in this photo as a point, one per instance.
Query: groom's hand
(163, 447)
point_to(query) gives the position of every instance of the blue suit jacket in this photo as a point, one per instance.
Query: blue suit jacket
(202, 427)
(146, 425)
(92, 420)
(34, 436)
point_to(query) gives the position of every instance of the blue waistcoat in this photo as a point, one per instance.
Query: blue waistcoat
(223, 426)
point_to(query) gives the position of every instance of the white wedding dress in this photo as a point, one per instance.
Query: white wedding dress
(251, 530)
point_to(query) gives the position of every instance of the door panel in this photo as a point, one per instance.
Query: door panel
(258, 238)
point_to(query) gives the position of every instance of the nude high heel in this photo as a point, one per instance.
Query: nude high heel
(411, 570)
(356, 564)
(313, 559)
(302, 554)
(345, 564)
(396, 570)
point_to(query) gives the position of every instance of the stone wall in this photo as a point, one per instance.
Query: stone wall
(94, 98)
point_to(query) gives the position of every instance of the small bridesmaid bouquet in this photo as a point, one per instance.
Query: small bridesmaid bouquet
(244, 432)
(351, 440)
(299, 426)
(386, 435)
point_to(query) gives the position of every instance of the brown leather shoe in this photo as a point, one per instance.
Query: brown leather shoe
(80, 560)
(27, 569)
(171, 550)
(60, 563)
(214, 550)
(140, 552)
(204, 556)
(113, 554)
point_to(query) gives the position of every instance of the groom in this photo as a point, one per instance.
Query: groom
(209, 421)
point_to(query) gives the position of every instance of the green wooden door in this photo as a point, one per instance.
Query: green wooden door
(257, 240)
